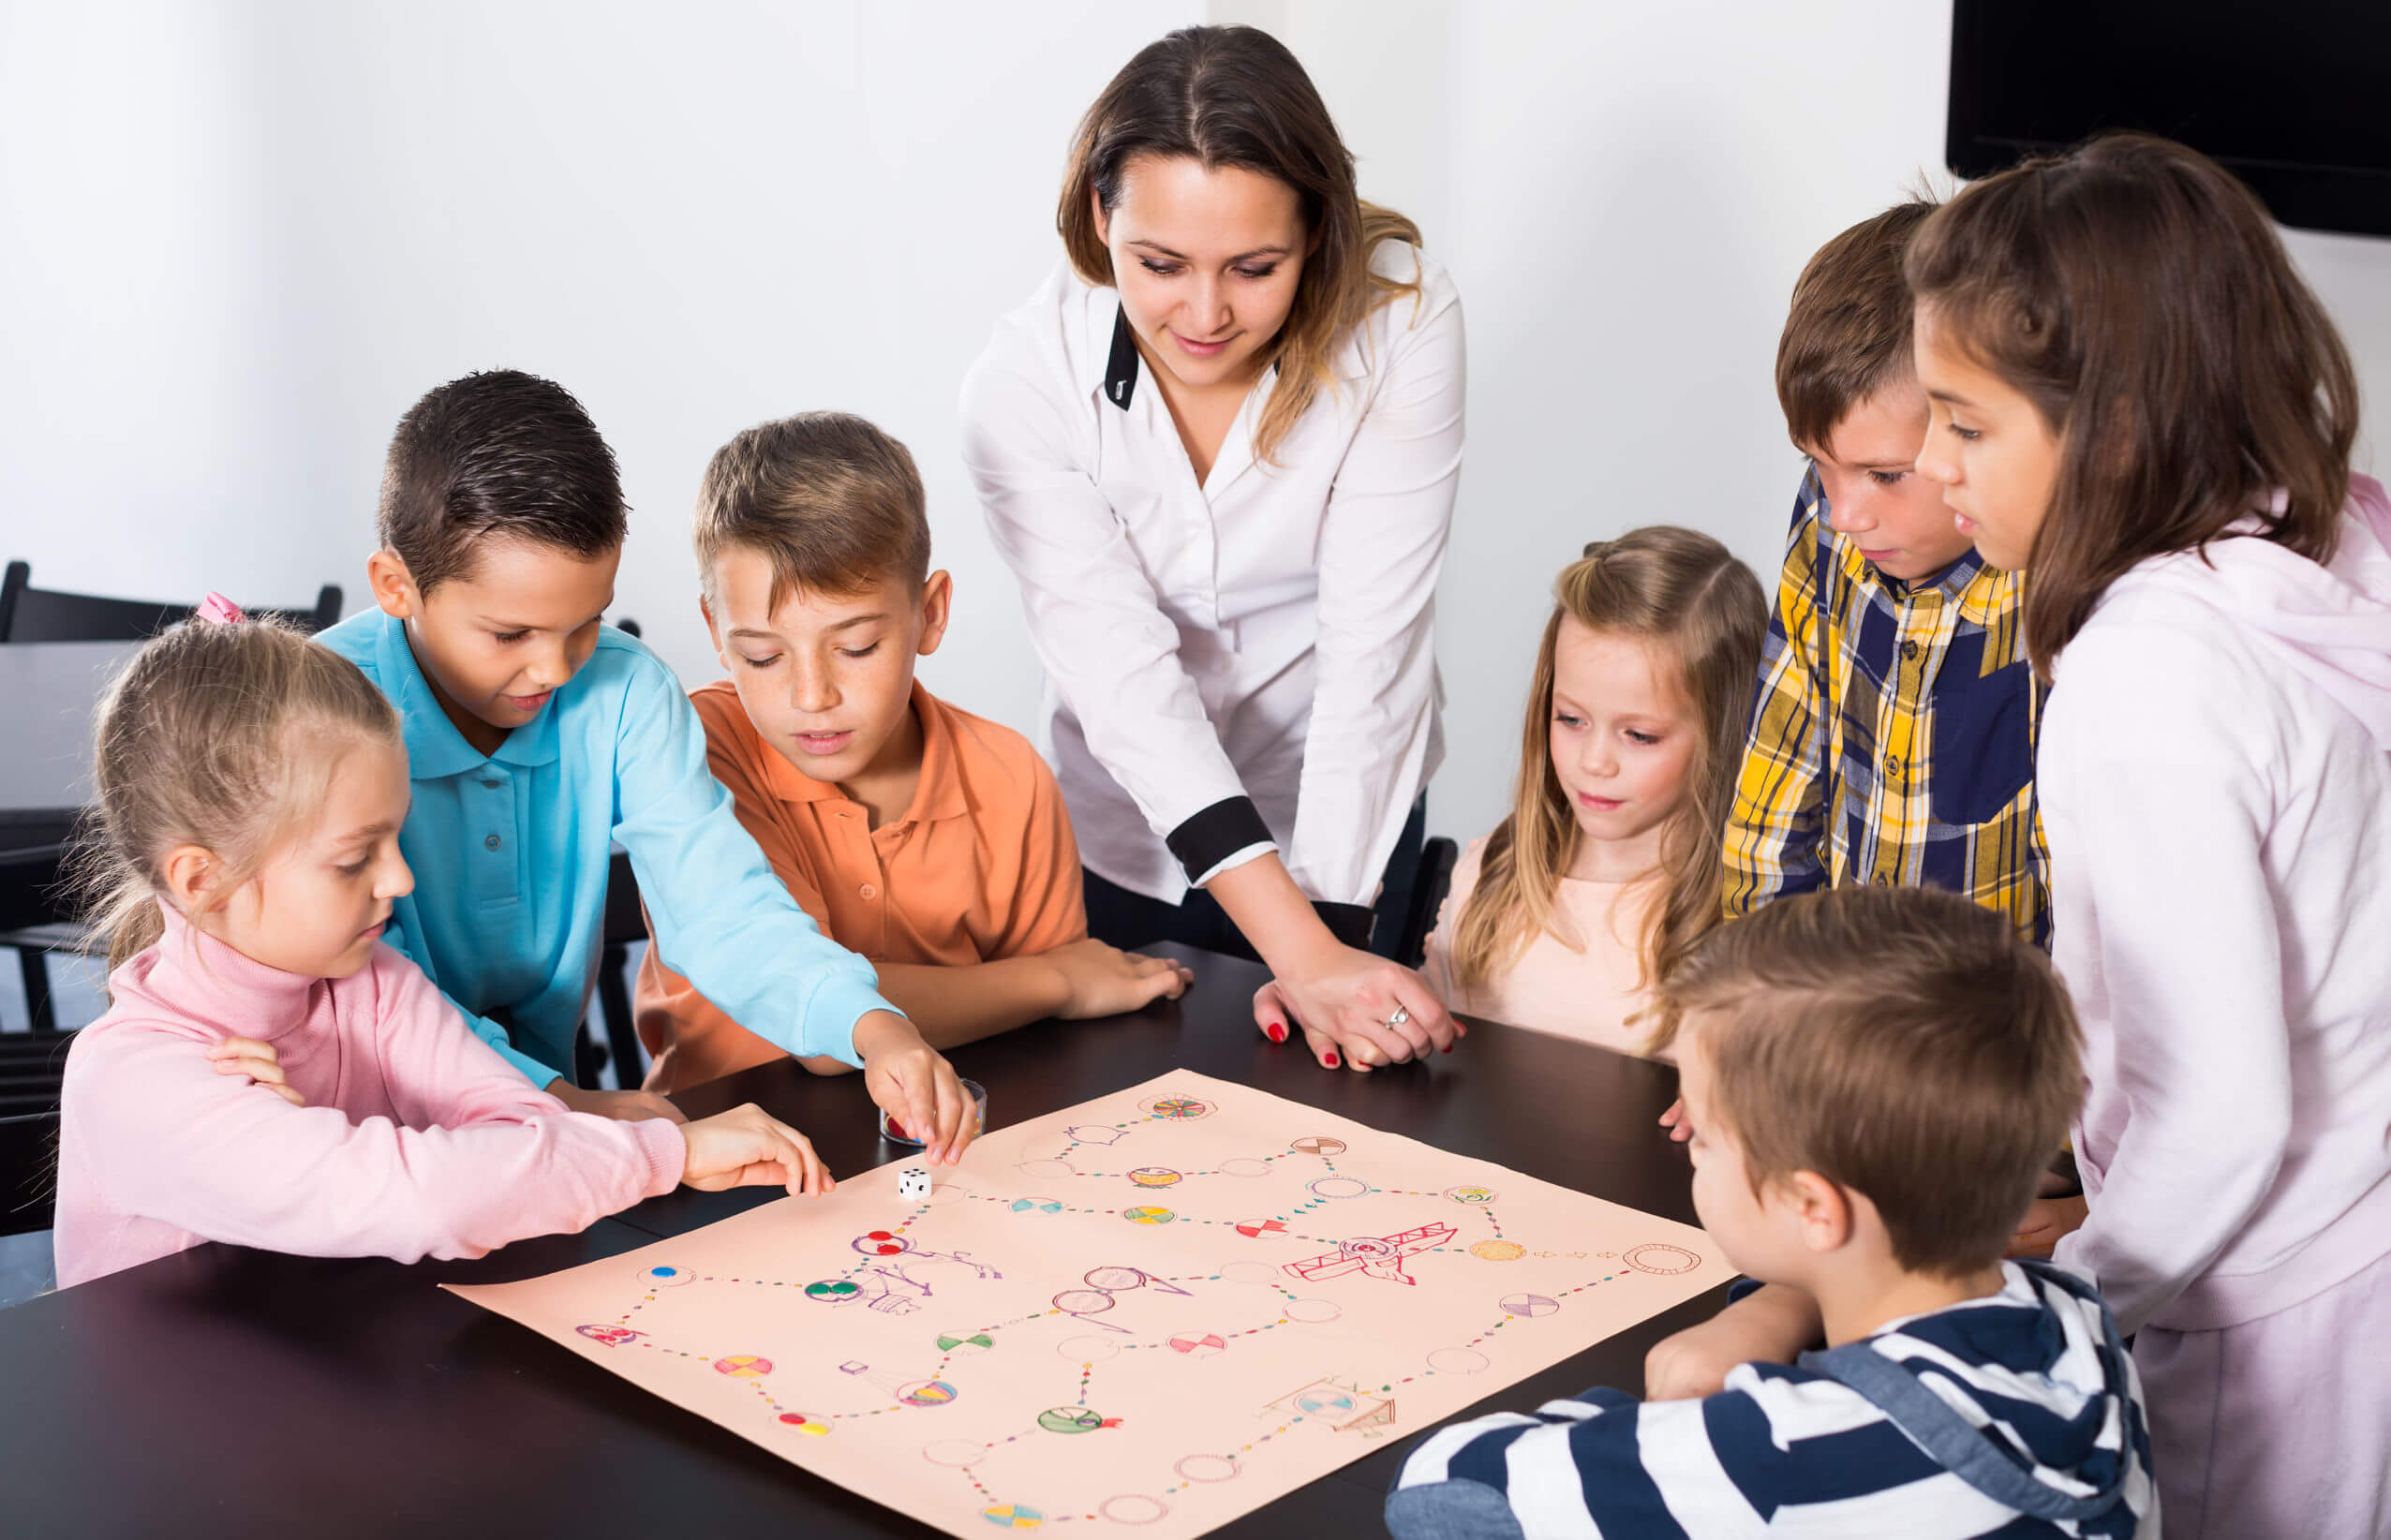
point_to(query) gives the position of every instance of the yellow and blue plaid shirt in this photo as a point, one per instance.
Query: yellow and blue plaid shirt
(1892, 737)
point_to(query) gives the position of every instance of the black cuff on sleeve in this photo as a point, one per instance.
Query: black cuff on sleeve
(1348, 922)
(1217, 833)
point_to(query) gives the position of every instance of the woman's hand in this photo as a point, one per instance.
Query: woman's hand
(1356, 1009)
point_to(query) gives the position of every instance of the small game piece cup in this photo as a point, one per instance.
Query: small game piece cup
(894, 1132)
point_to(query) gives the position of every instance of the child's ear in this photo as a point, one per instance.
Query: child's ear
(193, 876)
(938, 603)
(1822, 1210)
(393, 585)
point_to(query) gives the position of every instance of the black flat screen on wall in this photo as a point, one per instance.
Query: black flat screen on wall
(2294, 96)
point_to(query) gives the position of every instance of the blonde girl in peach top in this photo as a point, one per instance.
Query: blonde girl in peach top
(1606, 871)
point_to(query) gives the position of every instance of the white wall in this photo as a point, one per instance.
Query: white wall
(1626, 193)
(237, 241)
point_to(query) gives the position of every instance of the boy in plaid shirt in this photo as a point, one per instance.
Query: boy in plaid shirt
(1892, 741)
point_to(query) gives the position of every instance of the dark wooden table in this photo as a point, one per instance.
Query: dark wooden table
(232, 1392)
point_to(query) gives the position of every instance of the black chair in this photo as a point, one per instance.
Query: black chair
(30, 1073)
(28, 1172)
(28, 613)
(31, 880)
(1428, 890)
(623, 925)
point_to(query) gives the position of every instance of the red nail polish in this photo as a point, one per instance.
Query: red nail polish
(1331, 1060)
(1277, 1032)
(1449, 1047)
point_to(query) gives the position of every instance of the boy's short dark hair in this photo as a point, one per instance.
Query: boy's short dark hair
(833, 503)
(1847, 335)
(1903, 1043)
(497, 454)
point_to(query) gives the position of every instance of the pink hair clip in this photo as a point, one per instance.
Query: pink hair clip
(221, 610)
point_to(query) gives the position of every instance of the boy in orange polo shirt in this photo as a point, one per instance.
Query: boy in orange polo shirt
(930, 840)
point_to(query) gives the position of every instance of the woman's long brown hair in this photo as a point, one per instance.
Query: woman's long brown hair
(1684, 591)
(1234, 95)
(2141, 297)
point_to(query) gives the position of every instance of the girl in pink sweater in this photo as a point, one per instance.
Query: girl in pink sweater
(268, 1073)
(2137, 403)
(1608, 869)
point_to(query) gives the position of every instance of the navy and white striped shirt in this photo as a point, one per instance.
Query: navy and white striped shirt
(2030, 1382)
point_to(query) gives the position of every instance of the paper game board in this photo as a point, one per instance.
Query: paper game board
(1151, 1313)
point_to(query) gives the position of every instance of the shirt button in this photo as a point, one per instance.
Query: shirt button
(1909, 650)
(492, 785)
(869, 891)
(490, 843)
(1884, 880)
(1892, 767)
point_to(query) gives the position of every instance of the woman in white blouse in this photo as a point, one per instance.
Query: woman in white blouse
(1219, 448)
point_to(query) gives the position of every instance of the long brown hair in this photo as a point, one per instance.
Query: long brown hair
(1234, 95)
(2139, 296)
(223, 736)
(1684, 591)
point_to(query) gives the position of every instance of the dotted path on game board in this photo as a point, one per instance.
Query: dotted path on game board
(1343, 1404)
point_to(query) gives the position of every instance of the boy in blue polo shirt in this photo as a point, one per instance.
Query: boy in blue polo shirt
(537, 737)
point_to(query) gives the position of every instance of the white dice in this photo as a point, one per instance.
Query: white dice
(913, 1182)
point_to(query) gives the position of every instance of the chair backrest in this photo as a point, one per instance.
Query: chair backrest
(28, 1172)
(33, 886)
(623, 924)
(1428, 890)
(28, 613)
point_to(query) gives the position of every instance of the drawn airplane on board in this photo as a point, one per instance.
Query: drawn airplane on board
(1372, 1256)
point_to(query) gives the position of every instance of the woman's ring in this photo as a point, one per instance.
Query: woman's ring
(1400, 1016)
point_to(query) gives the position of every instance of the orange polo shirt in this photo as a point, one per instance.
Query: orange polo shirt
(981, 867)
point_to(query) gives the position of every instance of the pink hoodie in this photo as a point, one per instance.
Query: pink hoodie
(417, 1140)
(2215, 776)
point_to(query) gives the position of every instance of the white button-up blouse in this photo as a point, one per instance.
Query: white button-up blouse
(1248, 664)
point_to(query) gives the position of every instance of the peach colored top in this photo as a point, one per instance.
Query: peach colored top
(981, 867)
(1551, 987)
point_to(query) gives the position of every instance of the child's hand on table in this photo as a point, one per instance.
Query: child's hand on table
(624, 1106)
(247, 1055)
(1675, 1121)
(1103, 981)
(914, 1083)
(1771, 1325)
(2048, 1221)
(747, 1146)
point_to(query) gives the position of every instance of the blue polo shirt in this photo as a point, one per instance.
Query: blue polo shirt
(510, 849)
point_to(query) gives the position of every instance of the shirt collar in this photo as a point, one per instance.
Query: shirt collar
(435, 749)
(1116, 346)
(937, 794)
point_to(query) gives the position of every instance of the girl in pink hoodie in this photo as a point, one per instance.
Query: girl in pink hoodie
(268, 1073)
(2137, 401)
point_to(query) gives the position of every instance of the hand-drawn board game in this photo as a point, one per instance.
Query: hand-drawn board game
(1151, 1313)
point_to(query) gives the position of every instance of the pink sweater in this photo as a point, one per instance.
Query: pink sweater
(417, 1140)
(1590, 992)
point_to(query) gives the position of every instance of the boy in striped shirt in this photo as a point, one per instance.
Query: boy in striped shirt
(1873, 1078)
